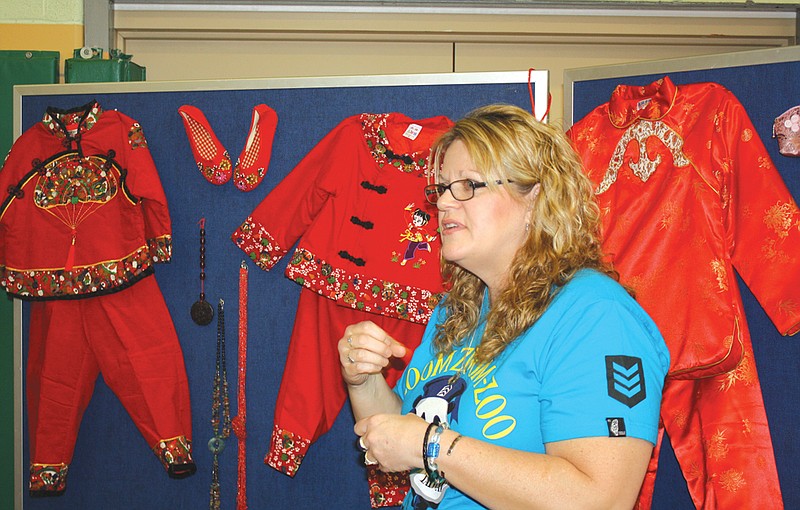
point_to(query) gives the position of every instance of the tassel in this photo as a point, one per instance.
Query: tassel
(71, 254)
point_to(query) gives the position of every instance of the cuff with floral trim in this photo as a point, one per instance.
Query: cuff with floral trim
(286, 451)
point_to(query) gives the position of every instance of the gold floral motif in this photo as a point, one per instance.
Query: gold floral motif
(732, 480)
(725, 196)
(670, 211)
(764, 162)
(718, 268)
(693, 471)
(718, 118)
(747, 134)
(747, 427)
(788, 306)
(774, 253)
(779, 217)
(744, 373)
(680, 417)
(717, 447)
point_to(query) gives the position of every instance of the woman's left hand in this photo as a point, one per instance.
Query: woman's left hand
(393, 440)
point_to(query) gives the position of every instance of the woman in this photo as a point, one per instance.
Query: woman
(538, 381)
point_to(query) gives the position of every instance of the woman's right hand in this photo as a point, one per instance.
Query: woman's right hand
(364, 350)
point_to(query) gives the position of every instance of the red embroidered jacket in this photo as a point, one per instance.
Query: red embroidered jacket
(83, 211)
(688, 193)
(357, 206)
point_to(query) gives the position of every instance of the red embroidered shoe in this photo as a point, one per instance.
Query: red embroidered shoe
(253, 162)
(211, 157)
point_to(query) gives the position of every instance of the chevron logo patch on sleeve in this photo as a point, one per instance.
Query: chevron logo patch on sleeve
(625, 378)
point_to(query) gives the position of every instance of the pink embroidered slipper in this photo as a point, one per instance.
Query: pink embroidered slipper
(211, 157)
(254, 160)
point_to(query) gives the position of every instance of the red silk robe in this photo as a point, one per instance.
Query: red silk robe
(688, 195)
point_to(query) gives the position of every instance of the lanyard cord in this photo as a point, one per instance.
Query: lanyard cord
(533, 105)
(220, 409)
(239, 423)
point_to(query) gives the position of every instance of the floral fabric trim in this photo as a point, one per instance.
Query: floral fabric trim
(105, 277)
(160, 249)
(253, 239)
(373, 127)
(175, 455)
(387, 489)
(72, 118)
(48, 479)
(357, 291)
(136, 137)
(373, 295)
(286, 451)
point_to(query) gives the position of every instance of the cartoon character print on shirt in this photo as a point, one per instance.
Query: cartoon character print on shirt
(440, 398)
(417, 236)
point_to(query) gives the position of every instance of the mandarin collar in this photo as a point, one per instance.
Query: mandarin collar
(630, 103)
(72, 123)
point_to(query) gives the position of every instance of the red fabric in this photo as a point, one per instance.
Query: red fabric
(688, 194)
(350, 204)
(312, 391)
(83, 212)
(128, 337)
(346, 204)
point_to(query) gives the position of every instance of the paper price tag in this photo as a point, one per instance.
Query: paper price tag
(412, 131)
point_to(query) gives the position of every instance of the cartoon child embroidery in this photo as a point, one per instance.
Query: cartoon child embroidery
(416, 234)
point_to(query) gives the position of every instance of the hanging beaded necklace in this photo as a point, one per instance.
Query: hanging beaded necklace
(202, 311)
(220, 409)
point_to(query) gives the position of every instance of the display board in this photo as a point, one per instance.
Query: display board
(767, 83)
(112, 466)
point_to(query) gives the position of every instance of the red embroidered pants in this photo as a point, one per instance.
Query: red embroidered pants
(312, 391)
(719, 432)
(128, 336)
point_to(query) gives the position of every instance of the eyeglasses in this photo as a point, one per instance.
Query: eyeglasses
(462, 189)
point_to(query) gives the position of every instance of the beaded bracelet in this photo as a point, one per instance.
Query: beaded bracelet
(425, 445)
(432, 448)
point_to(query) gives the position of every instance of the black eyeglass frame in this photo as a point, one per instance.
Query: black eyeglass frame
(437, 190)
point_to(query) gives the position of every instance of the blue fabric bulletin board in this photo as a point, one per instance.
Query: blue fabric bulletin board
(112, 466)
(767, 83)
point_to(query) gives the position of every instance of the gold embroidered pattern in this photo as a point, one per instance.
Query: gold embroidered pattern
(764, 162)
(732, 480)
(718, 268)
(747, 427)
(717, 445)
(680, 417)
(644, 167)
(779, 217)
(744, 373)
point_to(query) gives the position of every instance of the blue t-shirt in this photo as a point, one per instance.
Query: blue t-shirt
(592, 365)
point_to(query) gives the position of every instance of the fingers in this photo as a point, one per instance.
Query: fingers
(365, 342)
(398, 350)
(362, 445)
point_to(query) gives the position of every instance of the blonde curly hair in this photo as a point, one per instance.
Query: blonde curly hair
(507, 143)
